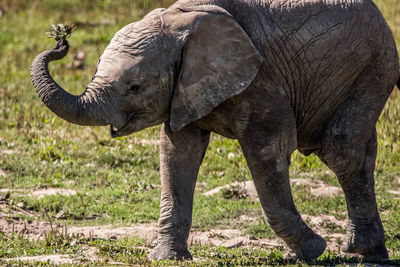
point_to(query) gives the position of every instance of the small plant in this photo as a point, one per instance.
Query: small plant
(234, 191)
(60, 31)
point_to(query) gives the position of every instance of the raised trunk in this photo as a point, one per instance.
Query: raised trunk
(86, 109)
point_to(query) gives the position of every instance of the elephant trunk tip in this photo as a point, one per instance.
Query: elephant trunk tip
(60, 50)
(75, 109)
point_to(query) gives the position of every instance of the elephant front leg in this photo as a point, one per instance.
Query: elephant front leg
(181, 154)
(268, 158)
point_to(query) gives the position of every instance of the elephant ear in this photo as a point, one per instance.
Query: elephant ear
(218, 62)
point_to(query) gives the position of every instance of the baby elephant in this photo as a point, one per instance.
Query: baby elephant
(277, 75)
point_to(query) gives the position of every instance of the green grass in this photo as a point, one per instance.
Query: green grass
(117, 180)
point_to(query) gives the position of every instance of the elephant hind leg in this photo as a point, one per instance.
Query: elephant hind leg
(269, 167)
(354, 167)
(267, 148)
(348, 147)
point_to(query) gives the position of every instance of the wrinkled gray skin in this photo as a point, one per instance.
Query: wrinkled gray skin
(277, 75)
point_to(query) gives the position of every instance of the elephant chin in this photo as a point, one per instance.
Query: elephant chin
(135, 123)
(126, 130)
(132, 125)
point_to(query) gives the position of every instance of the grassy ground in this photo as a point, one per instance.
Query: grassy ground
(116, 180)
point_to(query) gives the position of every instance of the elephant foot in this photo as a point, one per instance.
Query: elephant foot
(378, 253)
(311, 247)
(367, 240)
(166, 252)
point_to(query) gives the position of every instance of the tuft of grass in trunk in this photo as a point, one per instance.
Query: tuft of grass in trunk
(60, 31)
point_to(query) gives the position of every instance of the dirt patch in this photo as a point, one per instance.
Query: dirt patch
(11, 212)
(317, 188)
(7, 152)
(328, 226)
(146, 231)
(40, 193)
(220, 237)
(39, 229)
(301, 181)
(146, 142)
(11, 222)
(54, 259)
(9, 190)
(326, 191)
(248, 219)
(32, 230)
(230, 238)
(330, 173)
(3, 173)
(246, 187)
(85, 255)
(394, 192)
(319, 220)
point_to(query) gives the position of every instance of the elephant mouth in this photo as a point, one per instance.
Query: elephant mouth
(116, 132)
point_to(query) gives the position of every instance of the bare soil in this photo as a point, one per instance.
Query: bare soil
(146, 142)
(11, 222)
(321, 225)
(54, 259)
(7, 152)
(2, 173)
(316, 188)
(85, 256)
(326, 191)
(230, 238)
(394, 192)
(246, 187)
(40, 193)
(219, 237)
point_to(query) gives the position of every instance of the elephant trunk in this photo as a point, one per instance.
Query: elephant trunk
(86, 109)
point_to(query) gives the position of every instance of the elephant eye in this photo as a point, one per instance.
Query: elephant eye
(134, 88)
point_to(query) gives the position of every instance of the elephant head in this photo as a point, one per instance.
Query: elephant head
(175, 64)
